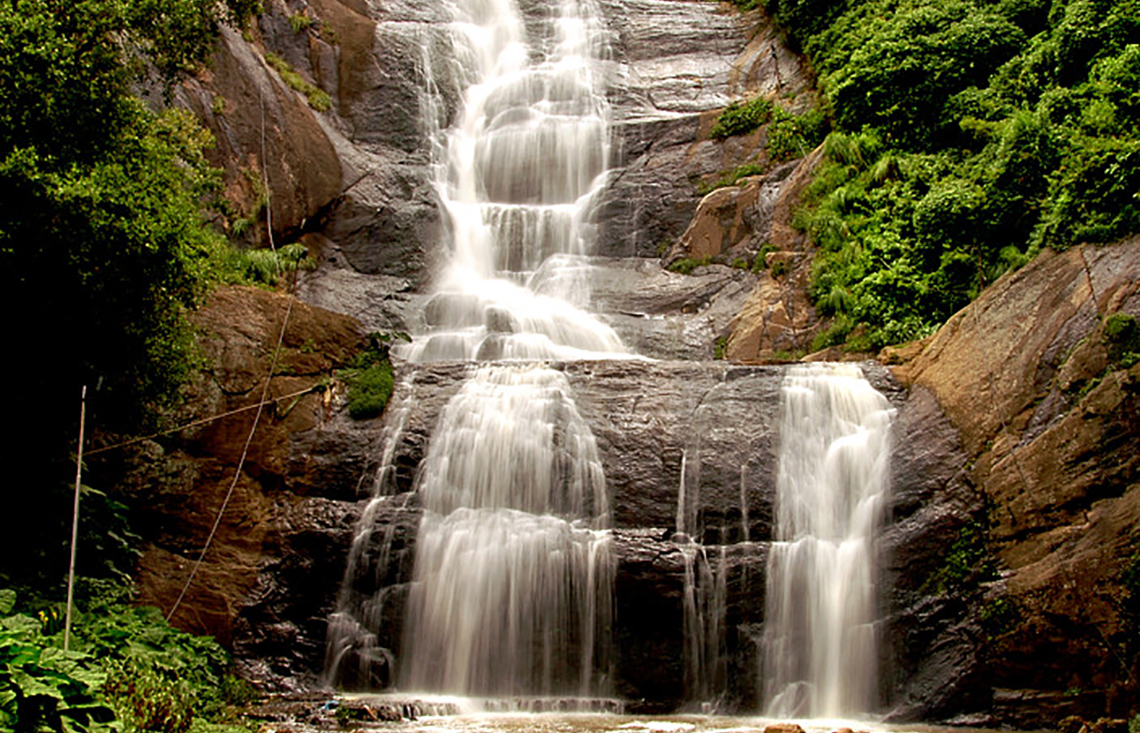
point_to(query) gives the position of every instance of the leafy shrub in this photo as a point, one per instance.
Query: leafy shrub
(42, 687)
(903, 67)
(794, 136)
(741, 119)
(128, 669)
(970, 135)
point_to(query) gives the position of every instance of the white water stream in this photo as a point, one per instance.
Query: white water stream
(513, 579)
(820, 646)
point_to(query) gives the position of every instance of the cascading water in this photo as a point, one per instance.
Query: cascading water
(513, 578)
(511, 591)
(820, 647)
(513, 575)
(520, 175)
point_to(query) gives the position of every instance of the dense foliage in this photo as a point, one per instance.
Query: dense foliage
(103, 241)
(969, 135)
(125, 670)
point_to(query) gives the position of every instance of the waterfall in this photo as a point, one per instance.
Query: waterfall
(512, 584)
(820, 646)
(519, 176)
(505, 582)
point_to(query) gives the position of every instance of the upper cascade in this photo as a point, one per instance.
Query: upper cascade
(519, 175)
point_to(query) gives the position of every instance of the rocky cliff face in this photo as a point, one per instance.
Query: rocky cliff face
(1032, 377)
(290, 498)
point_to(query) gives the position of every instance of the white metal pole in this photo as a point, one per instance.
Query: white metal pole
(75, 520)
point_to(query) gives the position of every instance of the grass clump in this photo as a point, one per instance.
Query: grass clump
(686, 265)
(370, 379)
(300, 22)
(266, 267)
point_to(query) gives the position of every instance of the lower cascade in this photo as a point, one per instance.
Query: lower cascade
(820, 644)
(513, 575)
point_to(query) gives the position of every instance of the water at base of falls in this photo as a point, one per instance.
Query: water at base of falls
(820, 646)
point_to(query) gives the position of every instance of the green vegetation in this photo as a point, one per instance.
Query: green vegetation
(789, 135)
(300, 22)
(318, 98)
(370, 379)
(686, 265)
(999, 617)
(126, 670)
(968, 564)
(741, 119)
(794, 136)
(266, 266)
(970, 134)
(1122, 337)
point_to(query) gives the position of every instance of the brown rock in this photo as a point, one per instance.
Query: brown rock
(778, 319)
(1071, 724)
(783, 728)
(266, 133)
(1050, 430)
(180, 489)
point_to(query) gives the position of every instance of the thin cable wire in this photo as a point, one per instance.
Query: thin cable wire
(241, 461)
(264, 389)
(204, 420)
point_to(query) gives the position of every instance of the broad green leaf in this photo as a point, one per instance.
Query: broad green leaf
(32, 686)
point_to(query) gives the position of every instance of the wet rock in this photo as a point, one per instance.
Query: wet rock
(778, 318)
(676, 65)
(783, 728)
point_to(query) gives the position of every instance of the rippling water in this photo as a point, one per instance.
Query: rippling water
(607, 723)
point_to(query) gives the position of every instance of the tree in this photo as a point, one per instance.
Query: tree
(103, 243)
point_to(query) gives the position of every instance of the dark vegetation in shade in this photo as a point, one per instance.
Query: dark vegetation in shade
(126, 669)
(969, 135)
(104, 239)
